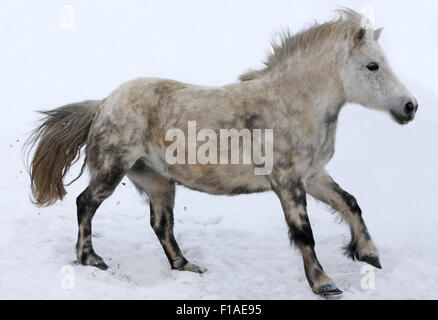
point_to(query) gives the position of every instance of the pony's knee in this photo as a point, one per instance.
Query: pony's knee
(351, 203)
(349, 200)
(301, 235)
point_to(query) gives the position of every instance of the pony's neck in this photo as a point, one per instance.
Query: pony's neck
(315, 81)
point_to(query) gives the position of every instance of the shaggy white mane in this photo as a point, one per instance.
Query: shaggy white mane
(346, 23)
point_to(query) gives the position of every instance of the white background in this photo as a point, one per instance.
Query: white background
(242, 240)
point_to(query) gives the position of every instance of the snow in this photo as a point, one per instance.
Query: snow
(242, 241)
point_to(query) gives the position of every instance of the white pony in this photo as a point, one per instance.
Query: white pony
(307, 80)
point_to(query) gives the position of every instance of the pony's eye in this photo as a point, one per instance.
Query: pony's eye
(373, 66)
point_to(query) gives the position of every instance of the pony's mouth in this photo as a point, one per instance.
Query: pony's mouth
(401, 119)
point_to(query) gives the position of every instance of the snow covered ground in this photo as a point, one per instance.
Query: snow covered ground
(242, 241)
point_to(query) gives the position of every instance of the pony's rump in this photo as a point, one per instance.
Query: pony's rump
(58, 140)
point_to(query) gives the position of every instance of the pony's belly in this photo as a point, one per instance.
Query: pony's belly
(219, 179)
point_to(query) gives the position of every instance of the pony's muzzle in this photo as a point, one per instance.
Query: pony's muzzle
(405, 114)
(410, 109)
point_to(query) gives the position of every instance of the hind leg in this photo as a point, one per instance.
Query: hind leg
(361, 247)
(107, 172)
(161, 193)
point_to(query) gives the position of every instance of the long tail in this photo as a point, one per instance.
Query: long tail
(59, 140)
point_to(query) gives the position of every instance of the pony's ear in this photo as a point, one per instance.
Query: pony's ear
(377, 33)
(359, 36)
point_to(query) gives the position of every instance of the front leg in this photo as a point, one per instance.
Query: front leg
(322, 187)
(292, 196)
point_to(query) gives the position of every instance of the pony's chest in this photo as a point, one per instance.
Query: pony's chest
(307, 149)
(325, 144)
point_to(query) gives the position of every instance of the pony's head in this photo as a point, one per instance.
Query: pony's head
(364, 72)
(369, 80)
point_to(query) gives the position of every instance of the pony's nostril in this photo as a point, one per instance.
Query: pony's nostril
(409, 108)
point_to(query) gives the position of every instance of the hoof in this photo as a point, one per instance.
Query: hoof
(191, 267)
(101, 265)
(328, 289)
(372, 260)
(93, 260)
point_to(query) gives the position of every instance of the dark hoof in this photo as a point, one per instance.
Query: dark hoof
(328, 290)
(191, 267)
(101, 265)
(372, 260)
(93, 260)
(194, 268)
